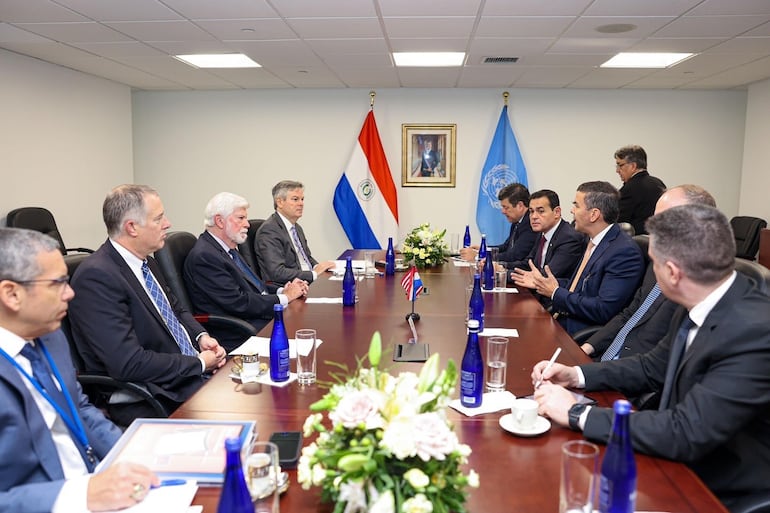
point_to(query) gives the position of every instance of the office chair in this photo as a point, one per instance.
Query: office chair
(41, 220)
(757, 272)
(628, 228)
(247, 250)
(171, 259)
(746, 231)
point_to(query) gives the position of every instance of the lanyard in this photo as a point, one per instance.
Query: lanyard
(73, 422)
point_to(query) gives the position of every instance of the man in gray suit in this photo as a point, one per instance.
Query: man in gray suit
(711, 368)
(280, 244)
(49, 443)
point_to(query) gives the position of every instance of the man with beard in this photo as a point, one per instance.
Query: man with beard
(218, 279)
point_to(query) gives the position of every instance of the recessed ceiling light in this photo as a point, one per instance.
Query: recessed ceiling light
(429, 59)
(646, 60)
(218, 60)
(616, 28)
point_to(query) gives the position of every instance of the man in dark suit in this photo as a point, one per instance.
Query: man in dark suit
(280, 243)
(609, 272)
(514, 205)
(46, 464)
(218, 279)
(125, 321)
(650, 324)
(640, 191)
(429, 161)
(557, 245)
(711, 368)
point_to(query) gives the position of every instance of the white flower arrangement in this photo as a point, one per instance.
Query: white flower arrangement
(425, 247)
(390, 447)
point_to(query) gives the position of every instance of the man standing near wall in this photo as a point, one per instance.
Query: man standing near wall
(640, 191)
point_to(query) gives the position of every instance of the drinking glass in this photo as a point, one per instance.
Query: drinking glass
(306, 345)
(263, 471)
(579, 464)
(497, 362)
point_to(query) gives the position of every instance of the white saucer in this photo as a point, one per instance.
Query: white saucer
(541, 426)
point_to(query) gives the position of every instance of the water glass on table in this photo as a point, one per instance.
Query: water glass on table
(497, 363)
(501, 279)
(454, 243)
(579, 465)
(369, 268)
(263, 471)
(305, 340)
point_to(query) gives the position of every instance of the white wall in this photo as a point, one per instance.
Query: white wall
(191, 145)
(755, 183)
(65, 140)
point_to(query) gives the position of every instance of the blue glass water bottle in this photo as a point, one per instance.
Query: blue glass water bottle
(390, 259)
(483, 247)
(472, 369)
(488, 272)
(279, 347)
(235, 497)
(348, 285)
(617, 484)
(467, 236)
(476, 304)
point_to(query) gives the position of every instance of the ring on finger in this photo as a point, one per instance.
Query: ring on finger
(138, 492)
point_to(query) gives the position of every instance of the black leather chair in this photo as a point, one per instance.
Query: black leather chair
(171, 261)
(628, 228)
(753, 503)
(247, 250)
(746, 231)
(41, 220)
(757, 272)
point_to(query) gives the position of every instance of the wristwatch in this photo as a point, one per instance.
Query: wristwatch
(574, 413)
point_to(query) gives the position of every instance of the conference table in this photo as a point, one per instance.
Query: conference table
(516, 473)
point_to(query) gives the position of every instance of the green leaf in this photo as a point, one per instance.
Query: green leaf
(375, 349)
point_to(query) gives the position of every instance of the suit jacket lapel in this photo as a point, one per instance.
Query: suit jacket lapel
(286, 233)
(227, 260)
(43, 444)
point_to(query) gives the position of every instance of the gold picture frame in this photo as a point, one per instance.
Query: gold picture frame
(428, 155)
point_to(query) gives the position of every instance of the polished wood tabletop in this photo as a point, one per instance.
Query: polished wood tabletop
(516, 474)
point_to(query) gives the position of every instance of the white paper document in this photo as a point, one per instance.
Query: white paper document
(324, 300)
(168, 499)
(261, 346)
(499, 332)
(506, 290)
(490, 402)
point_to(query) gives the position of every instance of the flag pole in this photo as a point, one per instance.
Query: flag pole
(372, 94)
(413, 315)
(505, 97)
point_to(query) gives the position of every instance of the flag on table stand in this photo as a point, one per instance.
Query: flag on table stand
(503, 166)
(365, 199)
(412, 283)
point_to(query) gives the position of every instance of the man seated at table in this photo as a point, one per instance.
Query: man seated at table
(125, 321)
(644, 322)
(609, 272)
(49, 447)
(280, 244)
(557, 245)
(514, 205)
(711, 368)
(218, 279)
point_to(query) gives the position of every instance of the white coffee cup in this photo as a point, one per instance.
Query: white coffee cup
(524, 412)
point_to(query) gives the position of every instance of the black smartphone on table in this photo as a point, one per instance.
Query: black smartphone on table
(289, 447)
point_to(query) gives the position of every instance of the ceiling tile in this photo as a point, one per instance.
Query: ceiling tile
(433, 44)
(247, 29)
(522, 26)
(535, 7)
(325, 8)
(683, 44)
(88, 32)
(637, 8)
(161, 30)
(750, 7)
(36, 11)
(445, 8)
(221, 9)
(429, 27)
(710, 26)
(334, 28)
(11, 34)
(121, 10)
(586, 26)
(121, 49)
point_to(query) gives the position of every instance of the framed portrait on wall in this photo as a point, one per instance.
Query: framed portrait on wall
(428, 155)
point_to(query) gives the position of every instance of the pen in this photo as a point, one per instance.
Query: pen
(170, 482)
(550, 363)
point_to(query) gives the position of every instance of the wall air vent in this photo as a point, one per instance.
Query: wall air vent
(500, 60)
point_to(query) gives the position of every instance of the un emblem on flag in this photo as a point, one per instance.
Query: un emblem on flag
(494, 180)
(366, 190)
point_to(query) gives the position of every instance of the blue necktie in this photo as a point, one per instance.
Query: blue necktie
(169, 317)
(246, 270)
(301, 250)
(43, 375)
(612, 352)
(674, 359)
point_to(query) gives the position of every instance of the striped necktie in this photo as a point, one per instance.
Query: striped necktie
(300, 249)
(612, 352)
(246, 270)
(674, 359)
(169, 317)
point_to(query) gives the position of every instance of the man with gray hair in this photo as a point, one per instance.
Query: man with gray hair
(280, 244)
(609, 272)
(711, 369)
(51, 436)
(125, 320)
(218, 279)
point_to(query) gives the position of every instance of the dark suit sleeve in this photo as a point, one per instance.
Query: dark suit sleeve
(565, 254)
(602, 339)
(105, 316)
(211, 280)
(277, 259)
(618, 276)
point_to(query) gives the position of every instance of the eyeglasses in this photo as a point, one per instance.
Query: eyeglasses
(618, 165)
(52, 282)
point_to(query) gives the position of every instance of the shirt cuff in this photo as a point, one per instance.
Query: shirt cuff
(554, 293)
(315, 275)
(283, 298)
(583, 417)
(581, 377)
(73, 496)
(199, 335)
(203, 364)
